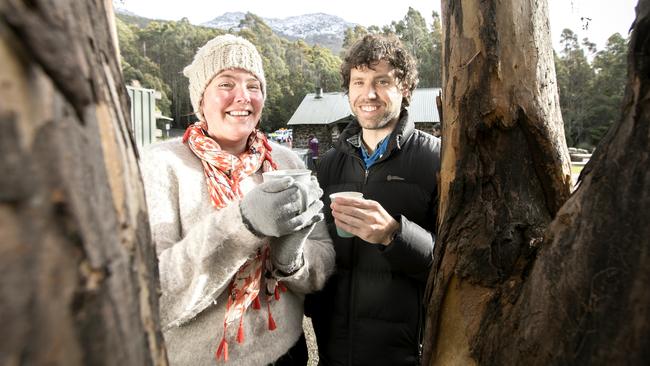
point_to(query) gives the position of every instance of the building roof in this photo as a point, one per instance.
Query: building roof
(334, 106)
(316, 111)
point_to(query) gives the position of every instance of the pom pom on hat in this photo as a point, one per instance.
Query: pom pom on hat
(221, 53)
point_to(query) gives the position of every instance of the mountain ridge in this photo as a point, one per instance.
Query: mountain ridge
(314, 28)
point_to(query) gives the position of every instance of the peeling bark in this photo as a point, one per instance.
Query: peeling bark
(519, 278)
(77, 268)
(505, 166)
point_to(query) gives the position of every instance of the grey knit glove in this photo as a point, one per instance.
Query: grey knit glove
(314, 192)
(277, 208)
(286, 251)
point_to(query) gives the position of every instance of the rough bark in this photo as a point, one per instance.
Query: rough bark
(587, 300)
(77, 270)
(580, 296)
(505, 168)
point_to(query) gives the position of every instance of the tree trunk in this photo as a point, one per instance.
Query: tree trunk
(78, 272)
(508, 286)
(505, 167)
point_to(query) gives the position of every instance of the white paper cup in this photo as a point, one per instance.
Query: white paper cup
(349, 194)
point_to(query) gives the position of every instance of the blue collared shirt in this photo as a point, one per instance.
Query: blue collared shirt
(369, 160)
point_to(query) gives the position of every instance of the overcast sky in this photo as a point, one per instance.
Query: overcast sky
(607, 16)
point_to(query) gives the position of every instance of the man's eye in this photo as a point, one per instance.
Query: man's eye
(224, 85)
(382, 82)
(254, 87)
(357, 83)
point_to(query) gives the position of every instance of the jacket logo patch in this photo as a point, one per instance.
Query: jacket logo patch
(394, 177)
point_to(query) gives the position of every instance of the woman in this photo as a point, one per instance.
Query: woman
(236, 254)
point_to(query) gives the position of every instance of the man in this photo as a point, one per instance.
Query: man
(371, 310)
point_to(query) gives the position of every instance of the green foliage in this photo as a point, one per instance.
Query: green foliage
(590, 82)
(352, 35)
(139, 68)
(436, 52)
(171, 46)
(156, 54)
(590, 92)
(138, 21)
(423, 41)
(416, 37)
(610, 67)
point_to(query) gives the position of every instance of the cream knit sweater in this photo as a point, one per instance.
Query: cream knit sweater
(200, 249)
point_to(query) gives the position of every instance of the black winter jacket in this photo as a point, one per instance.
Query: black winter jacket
(370, 311)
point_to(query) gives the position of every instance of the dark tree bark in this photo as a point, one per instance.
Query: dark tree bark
(510, 287)
(78, 273)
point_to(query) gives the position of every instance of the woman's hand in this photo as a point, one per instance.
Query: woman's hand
(279, 207)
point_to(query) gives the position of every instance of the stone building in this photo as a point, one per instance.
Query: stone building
(322, 114)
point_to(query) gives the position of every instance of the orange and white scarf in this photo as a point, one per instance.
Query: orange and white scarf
(223, 173)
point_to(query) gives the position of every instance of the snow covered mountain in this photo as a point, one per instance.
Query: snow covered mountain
(318, 28)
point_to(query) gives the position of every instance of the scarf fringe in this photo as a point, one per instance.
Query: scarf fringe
(240, 331)
(272, 325)
(222, 351)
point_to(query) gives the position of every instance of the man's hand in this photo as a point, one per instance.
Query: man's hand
(366, 219)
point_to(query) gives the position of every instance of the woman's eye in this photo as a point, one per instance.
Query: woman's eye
(254, 87)
(224, 85)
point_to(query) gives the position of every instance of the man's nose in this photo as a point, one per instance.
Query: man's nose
(371, 92)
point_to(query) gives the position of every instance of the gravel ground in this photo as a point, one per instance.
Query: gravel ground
(311, 341)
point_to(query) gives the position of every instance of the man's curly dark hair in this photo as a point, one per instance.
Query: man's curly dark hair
(371, 49)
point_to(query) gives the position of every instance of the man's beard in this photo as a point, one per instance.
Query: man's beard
(385, 119)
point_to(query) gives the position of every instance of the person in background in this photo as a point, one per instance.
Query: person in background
(371, 310)
(236, 254)
(313, 150)
(436, 130)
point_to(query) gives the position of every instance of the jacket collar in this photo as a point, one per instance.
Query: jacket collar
(350, 138)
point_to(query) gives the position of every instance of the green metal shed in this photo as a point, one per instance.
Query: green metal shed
(143, 119)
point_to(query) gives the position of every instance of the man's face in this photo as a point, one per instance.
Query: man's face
(375, 96)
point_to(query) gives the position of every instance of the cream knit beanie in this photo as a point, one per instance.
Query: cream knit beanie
(221, 53)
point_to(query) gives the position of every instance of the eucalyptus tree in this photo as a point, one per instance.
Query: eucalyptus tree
(528, 269)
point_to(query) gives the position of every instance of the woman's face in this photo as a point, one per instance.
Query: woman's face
(232, 105)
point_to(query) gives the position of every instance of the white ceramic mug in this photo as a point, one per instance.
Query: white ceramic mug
(348, 194)
(301, 176)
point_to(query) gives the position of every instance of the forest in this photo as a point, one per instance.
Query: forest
(590, 81)
(529, 269)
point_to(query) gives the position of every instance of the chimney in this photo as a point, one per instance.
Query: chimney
(319, 92)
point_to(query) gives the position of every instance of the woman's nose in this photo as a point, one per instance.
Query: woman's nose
(242, 95)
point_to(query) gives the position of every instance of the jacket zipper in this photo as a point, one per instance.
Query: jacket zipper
(353, 280)
(354, 248)
(366, 173)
